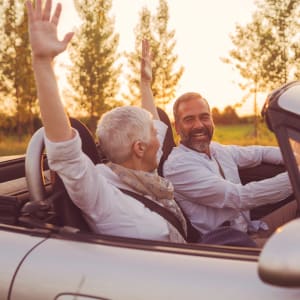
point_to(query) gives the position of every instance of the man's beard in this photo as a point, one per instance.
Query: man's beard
(198, 145)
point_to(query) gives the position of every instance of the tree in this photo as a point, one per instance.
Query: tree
(267, 49)
(94, 74)
(216, 115)
(228, 116)
(162, 41)
(17, 79)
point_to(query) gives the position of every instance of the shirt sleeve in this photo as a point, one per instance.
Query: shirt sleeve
(78, 172)
(197, 183)
(250, 156)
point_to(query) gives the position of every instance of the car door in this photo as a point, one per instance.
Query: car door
(116, 268)
(15, 246)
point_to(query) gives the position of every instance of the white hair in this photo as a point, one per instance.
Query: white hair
(119, 128)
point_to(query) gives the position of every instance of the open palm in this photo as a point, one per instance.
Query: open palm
(43, 30)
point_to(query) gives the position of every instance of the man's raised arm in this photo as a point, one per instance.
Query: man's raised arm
(146, 78)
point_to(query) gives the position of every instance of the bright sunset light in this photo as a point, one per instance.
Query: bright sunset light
(202, 34)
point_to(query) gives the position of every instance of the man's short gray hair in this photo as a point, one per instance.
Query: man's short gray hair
(119, 128)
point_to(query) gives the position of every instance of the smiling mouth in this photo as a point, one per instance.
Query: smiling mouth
(199, 135)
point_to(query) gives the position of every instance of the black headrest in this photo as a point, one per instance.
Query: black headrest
(169, 142)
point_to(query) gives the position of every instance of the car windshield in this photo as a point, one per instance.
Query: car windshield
(296, 150)
(294, 142)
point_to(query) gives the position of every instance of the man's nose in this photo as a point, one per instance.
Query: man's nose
(198, 123)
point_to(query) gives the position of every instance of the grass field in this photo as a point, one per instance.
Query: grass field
(12, 146)
(231, 134)
(244, 135)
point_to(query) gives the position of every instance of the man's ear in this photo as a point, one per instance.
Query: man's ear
(176, 127)
(139, 148)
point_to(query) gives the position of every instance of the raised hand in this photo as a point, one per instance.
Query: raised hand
(146, 78)
(146, 68)
(45, 46)
(43, 30)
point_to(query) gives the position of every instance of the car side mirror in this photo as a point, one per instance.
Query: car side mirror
(279, 261)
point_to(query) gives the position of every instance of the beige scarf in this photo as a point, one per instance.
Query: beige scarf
(158, 188)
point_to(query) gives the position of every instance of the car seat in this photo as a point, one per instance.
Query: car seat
(67, 213)
(169, 142)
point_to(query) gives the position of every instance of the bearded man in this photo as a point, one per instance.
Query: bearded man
(206, 178)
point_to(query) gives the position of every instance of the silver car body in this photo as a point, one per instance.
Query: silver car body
(67, 267)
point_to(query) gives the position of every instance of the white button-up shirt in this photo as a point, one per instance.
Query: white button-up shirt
(207, 198)
(95, 190)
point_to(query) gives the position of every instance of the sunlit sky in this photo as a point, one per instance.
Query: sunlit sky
(202, 38)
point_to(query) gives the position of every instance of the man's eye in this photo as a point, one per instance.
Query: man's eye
(188, 119)
(205, 118)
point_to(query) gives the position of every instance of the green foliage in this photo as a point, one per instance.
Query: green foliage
(228, 116)
(162, 41)
(16, 75)
(266, 52)
(94, 74)
(13, 145)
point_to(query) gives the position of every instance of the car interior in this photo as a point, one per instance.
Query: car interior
(281, 113)
(49, 206)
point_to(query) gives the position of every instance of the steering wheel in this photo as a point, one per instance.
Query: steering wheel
(38, 212)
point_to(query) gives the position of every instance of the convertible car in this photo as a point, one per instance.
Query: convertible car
(48, 252)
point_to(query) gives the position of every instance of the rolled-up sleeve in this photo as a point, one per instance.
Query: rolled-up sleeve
(77, 171)
(250, 156)
(196, 182)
